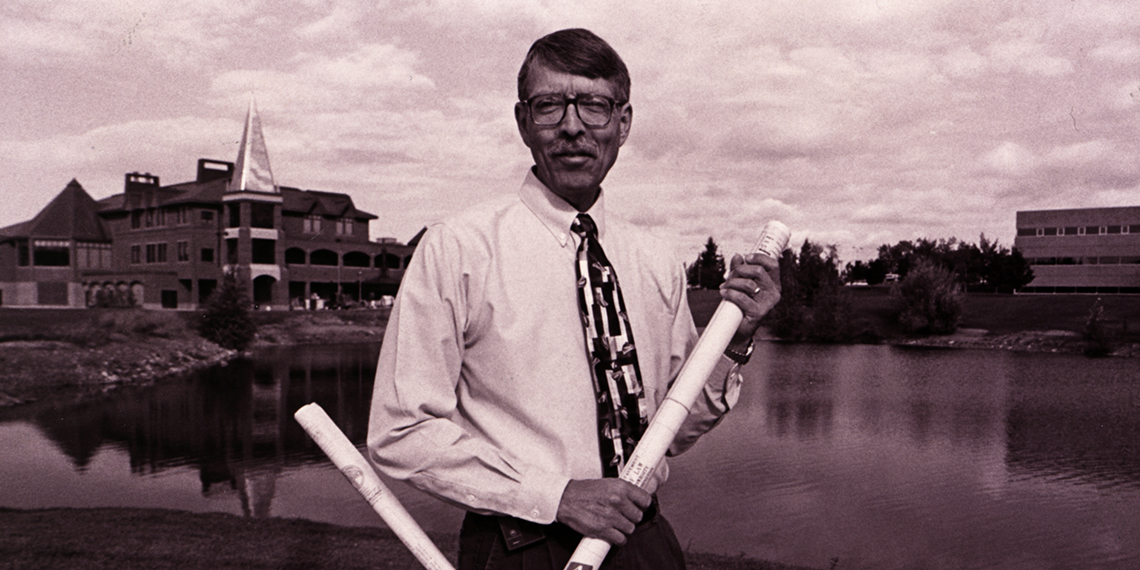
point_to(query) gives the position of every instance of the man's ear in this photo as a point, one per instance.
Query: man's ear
(625, 121)
(520, 120)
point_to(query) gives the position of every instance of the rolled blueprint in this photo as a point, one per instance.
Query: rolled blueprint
(360, 473)
(675, 408)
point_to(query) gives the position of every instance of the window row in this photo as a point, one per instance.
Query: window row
(298, 256)
(1102, 260)
(58, 253)
(159, 253)
(1080, 230)
(168, 216)
(314, 224)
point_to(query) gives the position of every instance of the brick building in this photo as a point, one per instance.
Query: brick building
(1084, 250)
(168, 247)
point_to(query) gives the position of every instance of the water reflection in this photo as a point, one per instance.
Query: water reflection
(894, 458)
(233, 425)
(876, 456)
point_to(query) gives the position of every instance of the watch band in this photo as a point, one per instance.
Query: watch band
(740, 357)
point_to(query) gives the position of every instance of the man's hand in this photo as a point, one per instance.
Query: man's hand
(753, 284)
(608, 509)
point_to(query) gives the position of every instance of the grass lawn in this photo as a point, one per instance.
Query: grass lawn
(155, 539)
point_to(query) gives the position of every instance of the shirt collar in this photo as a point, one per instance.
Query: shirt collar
(557, 214)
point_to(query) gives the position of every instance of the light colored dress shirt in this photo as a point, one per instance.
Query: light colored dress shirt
(483, 393)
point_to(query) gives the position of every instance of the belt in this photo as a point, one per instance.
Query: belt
(519, 533)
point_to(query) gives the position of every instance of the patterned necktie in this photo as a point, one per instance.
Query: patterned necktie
(617, 378)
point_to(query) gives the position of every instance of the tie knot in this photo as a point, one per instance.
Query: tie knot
(584, 226)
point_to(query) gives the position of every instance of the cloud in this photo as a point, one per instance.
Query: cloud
(857, 123)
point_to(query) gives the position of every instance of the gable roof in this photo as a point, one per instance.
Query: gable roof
(72, 214)
(319, 203)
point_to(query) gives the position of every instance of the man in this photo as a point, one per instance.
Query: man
(491, 395)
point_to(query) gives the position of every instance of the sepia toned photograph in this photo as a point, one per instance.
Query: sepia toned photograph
(335, 284)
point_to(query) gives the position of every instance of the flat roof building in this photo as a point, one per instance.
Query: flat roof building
(1083, 250)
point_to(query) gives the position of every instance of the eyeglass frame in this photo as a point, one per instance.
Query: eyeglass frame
(567, 101)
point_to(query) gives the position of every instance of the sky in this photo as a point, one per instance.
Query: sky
(856, 123)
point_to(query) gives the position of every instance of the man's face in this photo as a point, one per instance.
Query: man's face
(572, 158)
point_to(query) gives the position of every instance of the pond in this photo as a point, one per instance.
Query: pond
(849, 457)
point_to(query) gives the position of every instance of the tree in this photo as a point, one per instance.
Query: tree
(227, 321)
(928, 300)
(813, 303)
(708, 270)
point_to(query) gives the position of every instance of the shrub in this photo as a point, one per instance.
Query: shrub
(1098, 339)
(928, 300)
(227, 321)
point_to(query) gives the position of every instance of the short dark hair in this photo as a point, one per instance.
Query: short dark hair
(578, 52)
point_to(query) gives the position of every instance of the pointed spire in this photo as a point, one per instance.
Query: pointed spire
(251, 169)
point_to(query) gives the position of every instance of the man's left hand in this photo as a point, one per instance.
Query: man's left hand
(753, 284)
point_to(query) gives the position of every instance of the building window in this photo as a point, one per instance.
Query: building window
(295, 256)
(183, 251)
(208, 254)
(1125, 230)
(344, 227)
(1113, 230)
(1040, 232)
(93, 255)
(24, 254)
(51, 253)
(231, 251)
(149, 218)
(1103, 230)
(264, 251)
(136, 254)
(207, 215)
(136, 219)
(311, 225)
(235, 216)
(151, 252)
(261, 215)
(1081, 231)
(160, 217)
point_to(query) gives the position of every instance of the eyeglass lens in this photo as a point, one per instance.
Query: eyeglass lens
(593, 110)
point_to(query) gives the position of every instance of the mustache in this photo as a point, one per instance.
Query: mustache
(577, 147)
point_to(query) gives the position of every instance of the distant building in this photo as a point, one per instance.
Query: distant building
(1085, 250)
(169, 246)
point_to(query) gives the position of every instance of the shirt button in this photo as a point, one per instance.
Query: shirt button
(471, 498)
(535, 513)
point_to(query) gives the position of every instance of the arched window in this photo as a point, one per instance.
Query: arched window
(323, 257)
(356, 259)
(294, 256)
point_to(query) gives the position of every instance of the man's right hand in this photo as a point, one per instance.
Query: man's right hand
(608, 509)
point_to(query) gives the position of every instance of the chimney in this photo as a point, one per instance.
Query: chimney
(137, 182)
(214, 169)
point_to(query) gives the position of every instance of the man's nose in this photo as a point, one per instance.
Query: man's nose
(571, 124)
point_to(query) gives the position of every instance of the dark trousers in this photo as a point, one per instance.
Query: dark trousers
(507, 543)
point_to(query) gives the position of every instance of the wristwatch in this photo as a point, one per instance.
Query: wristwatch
(740, 357)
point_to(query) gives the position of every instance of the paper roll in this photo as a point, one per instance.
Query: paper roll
(360, 473)
(674, 409)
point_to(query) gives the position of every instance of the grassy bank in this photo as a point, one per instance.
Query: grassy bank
(1012, 322)
(47, 352)
(112, 538)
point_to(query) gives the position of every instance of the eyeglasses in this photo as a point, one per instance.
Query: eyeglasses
(593, 110)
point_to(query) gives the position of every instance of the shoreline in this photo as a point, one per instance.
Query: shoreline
(92, 362)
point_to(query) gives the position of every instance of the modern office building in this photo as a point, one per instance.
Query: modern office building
(1085, 250)
(168, 247)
